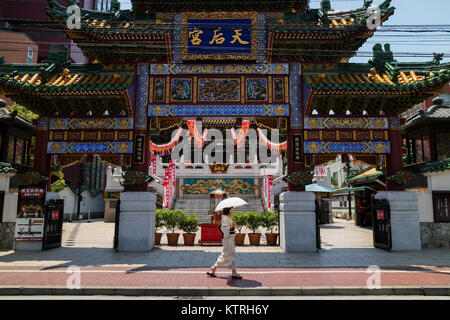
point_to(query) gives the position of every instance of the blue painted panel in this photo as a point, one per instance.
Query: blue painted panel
(215, 36)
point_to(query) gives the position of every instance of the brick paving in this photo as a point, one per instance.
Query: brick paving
(342, 262)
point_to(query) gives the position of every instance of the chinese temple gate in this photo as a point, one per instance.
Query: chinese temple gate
(271, 64)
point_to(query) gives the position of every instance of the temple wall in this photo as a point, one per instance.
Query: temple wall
(435, 235)
(425, 203)
(439, 182)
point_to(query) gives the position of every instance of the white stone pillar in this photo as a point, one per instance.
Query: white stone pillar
(405, 226)
(137, 221)
(297, 222)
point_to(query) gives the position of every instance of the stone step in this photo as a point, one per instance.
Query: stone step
(201, 207)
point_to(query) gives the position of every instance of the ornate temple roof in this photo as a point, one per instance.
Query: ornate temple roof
(387, 85)
(42, 86)
(437, 166)
(214, 5)
(439, 112)
(292, 35)
(367, 174)
(12, 118)
(75, 80)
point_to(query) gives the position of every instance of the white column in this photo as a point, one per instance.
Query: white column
(137, 221)
(297, 221)
(405, 227)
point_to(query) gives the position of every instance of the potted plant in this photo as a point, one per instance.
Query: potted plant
(270, 221)
(159, 223)
(240, 219)
(253, 222)
(189, 224)
(172, 220)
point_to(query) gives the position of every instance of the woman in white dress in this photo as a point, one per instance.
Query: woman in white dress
(228, 257)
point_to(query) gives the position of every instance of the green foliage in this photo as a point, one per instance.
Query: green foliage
(58, 186)
(159, 219)
(172, 218)
(23, 112)
(189, 223)
(270, 220)
(253, 220)
(240, 218)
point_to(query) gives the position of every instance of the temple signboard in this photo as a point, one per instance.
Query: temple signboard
(219, 35)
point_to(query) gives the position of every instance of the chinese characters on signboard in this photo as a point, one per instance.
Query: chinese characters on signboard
(219, 36)
(297, 148)
(30, 214)
(139, 149)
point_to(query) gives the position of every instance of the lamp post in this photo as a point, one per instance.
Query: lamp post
(80, 182)
(349, 192)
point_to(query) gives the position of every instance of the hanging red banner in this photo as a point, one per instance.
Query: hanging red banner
(269, 190)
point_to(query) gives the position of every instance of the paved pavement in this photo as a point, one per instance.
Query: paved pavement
(340, 267)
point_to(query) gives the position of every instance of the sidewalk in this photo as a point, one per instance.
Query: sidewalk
(339, 268)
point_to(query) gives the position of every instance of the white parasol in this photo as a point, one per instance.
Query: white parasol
(230, 202)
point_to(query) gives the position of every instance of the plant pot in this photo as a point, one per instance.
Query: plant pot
(172, 238)
(254, 238)
(158, 236)
(189, 239)
(271, 238)
(239, 239)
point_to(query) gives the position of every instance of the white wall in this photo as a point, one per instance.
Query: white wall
(425, 206)
(4, 182)
(439, 182)
(10, 202)
(94, 204)
(10, 207)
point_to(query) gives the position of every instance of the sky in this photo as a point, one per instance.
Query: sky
(405, 45)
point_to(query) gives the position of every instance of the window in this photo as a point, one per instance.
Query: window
(419, 151)
(441, 207)
(17, 150)
(443, 145)
(11, 149)
(426, 148)
(30, 56)
(20, 149)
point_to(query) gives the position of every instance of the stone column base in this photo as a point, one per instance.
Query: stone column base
(297, 221)
(405, 226)
(137, 221)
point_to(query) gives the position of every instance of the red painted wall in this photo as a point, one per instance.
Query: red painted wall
(29, 16)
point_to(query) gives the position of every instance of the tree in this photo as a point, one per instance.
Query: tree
(23, 112)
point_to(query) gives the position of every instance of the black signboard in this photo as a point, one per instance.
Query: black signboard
(139, 148)
(381, 217)
(53, 223)
(297, 148)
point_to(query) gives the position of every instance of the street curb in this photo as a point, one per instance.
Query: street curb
(226, 291)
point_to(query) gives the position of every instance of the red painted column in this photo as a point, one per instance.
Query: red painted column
(41, 158)
(394, 161)
(292, 164)
(141, 141)
(141, 154)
